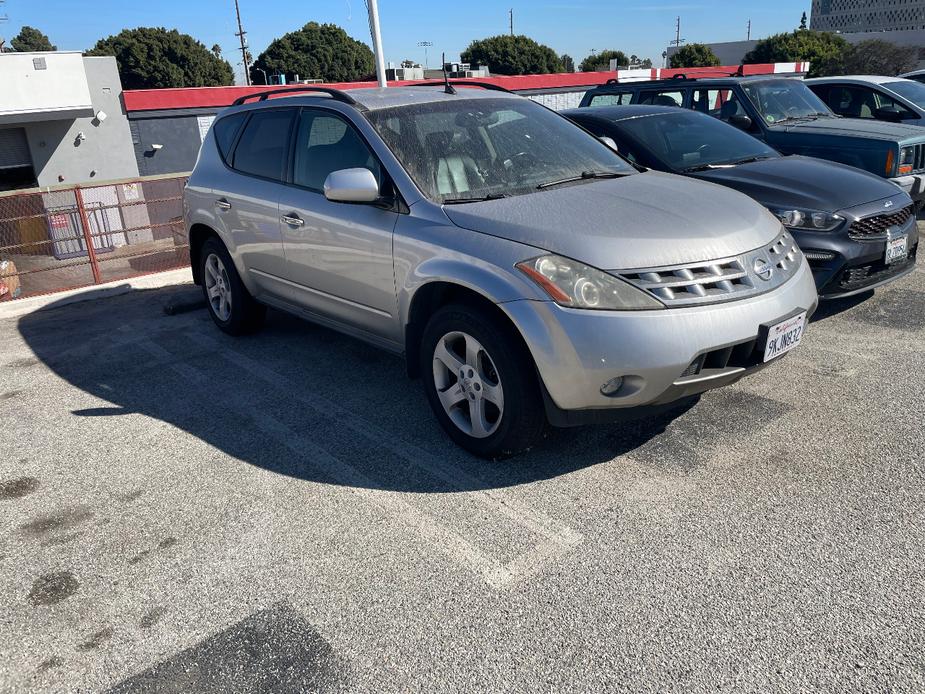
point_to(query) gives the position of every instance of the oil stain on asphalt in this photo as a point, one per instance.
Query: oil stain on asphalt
(275, 650)
(63, 520)
(52, 588)
(97, 640)
(17, 488)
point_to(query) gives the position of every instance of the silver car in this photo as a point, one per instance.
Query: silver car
(526, 272)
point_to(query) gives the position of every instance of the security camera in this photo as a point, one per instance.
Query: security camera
(157, 147)
(101, 116)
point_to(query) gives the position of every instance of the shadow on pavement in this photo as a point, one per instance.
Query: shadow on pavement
(295, 399)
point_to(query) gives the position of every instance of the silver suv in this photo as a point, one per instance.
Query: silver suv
(525, 271)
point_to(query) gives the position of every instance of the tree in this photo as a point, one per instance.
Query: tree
(568, 63)
(824, 50)
(877, 57)
(216, 50)
(694, 55)
(409, 63)
(31, 39)
(803, 21)
(317, 51)
(512, 55)
(599, 62)
(155, 58)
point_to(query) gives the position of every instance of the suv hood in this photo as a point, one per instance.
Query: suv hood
(639, 221)
(854, 127)
(803, 182)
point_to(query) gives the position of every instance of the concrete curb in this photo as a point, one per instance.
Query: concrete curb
(20, 307)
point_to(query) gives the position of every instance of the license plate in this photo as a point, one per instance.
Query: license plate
(784, 336)
(896, 249)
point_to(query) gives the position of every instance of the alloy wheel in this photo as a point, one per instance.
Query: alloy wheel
(218, 287)
(468, 385)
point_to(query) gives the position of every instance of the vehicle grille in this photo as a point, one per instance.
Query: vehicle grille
(918, 159)
(715, 281)
(874, 228)
(855, 278)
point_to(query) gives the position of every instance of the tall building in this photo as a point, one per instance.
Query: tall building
(850, 16)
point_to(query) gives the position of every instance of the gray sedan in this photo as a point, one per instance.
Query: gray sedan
(893, 99)
(525, 271)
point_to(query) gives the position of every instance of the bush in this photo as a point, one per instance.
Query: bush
(512, 55)
(316, 51)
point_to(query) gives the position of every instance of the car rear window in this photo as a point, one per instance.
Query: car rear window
(264, 145)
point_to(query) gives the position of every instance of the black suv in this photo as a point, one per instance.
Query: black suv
(784, 113)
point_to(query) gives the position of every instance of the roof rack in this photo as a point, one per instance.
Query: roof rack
(335, 94)
(483, 85)
(739, 72)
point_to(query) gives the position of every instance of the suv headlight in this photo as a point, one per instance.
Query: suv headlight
(906, 160)
(811, 220)
(573, 284)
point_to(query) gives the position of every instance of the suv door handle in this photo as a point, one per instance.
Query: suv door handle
(223, 204)
(292, 220)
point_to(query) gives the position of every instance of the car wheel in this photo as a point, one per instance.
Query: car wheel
(481, 383)
(231, 306)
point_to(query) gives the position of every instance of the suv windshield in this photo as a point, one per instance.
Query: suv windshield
(473, 149)
(914, 91)
(686, 140)
(787, 99)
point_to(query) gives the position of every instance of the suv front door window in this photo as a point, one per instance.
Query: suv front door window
(664, 97)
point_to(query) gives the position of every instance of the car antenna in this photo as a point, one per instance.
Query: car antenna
(446, 79)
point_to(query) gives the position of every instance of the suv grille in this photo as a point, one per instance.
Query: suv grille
(715, 281)
(874, 228)
(918, 159)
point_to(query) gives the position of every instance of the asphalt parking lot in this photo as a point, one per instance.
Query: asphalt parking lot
(188, 512)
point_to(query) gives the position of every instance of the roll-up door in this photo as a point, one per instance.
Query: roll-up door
(14, 150)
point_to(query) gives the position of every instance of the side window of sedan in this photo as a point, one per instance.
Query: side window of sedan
(326, 143)
(852, 102)
(884, 101)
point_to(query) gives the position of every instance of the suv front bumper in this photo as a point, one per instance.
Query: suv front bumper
(577, 351)
(914, 185)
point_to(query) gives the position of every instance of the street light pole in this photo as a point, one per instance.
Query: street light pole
(377, 42)
(264, 73)
(424, 45)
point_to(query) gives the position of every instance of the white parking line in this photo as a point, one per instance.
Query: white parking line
(557, 538)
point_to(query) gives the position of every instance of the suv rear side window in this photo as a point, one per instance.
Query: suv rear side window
(226, 129)
(264, 145)
(666, 97)
(620, 99)
(326, 143)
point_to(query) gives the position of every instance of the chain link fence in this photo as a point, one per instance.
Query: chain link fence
(74, 237)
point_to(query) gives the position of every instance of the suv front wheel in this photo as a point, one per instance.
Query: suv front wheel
(231, 306)
(480, 382)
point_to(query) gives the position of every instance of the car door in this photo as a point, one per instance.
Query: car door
(247, 201)
(338, 255)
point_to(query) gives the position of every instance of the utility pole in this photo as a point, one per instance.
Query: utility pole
(677, 36)
(748, 35)
(511, 13)
(377, 42)
(241, 34)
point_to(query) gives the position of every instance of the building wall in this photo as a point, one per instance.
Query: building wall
(180, 137)
(59, 156)
(847, 16)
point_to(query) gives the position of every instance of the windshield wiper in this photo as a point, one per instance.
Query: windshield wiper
(480, 198)
(725, 164)
(583, 176)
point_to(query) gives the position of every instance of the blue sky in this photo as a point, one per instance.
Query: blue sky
(636, 26)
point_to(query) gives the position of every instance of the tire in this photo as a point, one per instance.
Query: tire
(494, 408)
(229, 303)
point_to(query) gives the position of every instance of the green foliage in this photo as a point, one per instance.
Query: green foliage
(155, 58)
(31, 39)
(694, 55)
(512, 55)
(637, 62)
(877, 57)
(599, 62)
(824, 50)
(568, 63)
(803, 21)
(317, 51)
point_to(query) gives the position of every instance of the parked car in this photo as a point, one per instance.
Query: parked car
(856, 230)
(525, 270)
(788, 116)
(872, 97)
(917, 75)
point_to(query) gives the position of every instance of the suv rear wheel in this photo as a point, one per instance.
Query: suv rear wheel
(231, 306)
(480, 382)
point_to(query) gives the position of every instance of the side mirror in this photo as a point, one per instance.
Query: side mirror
(740, 121)
(609, 142)
(351, 185)
(888, 113)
